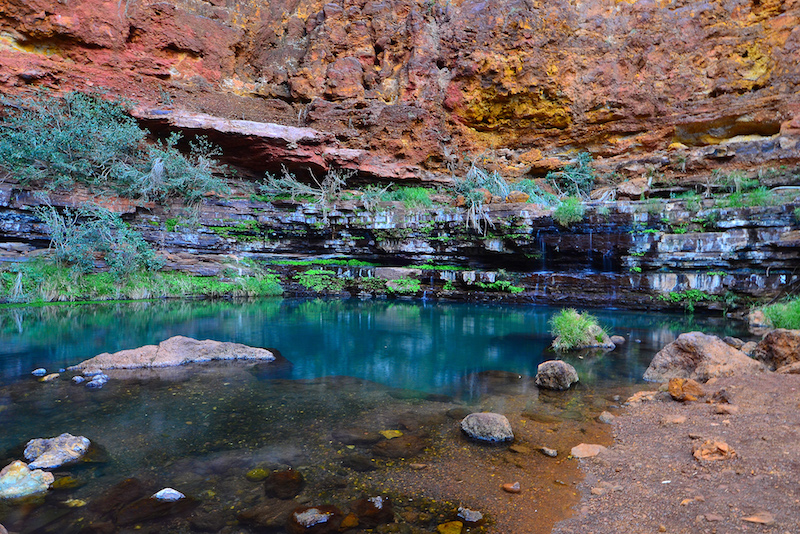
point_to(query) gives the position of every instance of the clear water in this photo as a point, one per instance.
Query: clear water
(371, 365)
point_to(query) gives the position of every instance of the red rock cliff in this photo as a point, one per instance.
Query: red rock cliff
(424, 82)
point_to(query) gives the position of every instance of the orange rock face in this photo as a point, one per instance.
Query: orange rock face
(423, 81)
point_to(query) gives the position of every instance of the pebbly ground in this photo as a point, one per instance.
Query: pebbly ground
(649, 481)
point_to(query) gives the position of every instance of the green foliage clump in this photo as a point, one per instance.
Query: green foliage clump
(569, 211)
(403, 286)
(83, 138)
(500, 285)
(688, 298)
(434, 267)
(576, 179)
(411, 197)
(784, 314)
(328, 261)
(79, 236)
(574, 330)
(39, 281)
(320, 280)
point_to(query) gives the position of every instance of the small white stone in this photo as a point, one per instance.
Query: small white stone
(169, 495)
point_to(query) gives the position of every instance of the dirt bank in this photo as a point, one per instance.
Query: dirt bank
(649, 481)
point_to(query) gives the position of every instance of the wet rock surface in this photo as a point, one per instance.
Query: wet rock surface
(556, 375)
(17, 481)
(50, 453)
(487, 427)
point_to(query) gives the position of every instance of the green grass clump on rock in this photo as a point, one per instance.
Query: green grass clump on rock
(573, 330)
(784, 314)
(570, 211)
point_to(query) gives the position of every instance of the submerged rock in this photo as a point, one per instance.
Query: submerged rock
(17, 480)
(284, 484)
(556, 374)
(323, 519)
(271, 515)
(403, 447)
(487, 427)
(700, 357)
(49, 453)
(373, 511)
(41, 371)
(178, 350)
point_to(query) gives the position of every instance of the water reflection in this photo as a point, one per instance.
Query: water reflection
(424, 346)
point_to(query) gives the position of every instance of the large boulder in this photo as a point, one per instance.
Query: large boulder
(779, 348)
(178, 350)
(556, 374)
(17, 480)
(700, 357)
(487, 427)
(49, 453)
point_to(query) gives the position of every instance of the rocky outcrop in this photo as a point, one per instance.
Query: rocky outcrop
(700, 357)
(556, 374)
(487, 427)
(178, 350)
(49, 453)
(779, 349)
(18, 481)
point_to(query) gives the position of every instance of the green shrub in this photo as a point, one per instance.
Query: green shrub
(784, 314)
(570, 211)
(500, 285)
(537, 194)
(688, 298)
(320, 280)
(576, 179)
(574, 330)
(87, 139)
(79, 236)
(403, 286)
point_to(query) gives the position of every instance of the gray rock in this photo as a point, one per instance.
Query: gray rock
(470, 517)
(488, 427)
(552, 453)
(78, 379)
(49, 453)
(17, 480)
(556, 374)
(617, 340)
(41, 371)
(606, 418)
